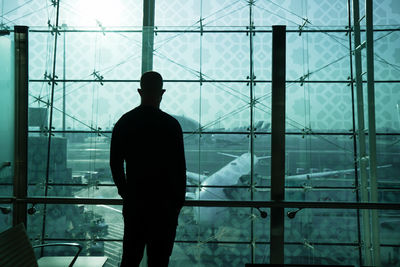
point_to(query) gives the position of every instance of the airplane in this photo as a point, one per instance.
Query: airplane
(212, 187)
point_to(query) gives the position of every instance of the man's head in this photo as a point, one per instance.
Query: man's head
(151, 91)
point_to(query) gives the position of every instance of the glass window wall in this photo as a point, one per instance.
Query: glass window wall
(215, 57)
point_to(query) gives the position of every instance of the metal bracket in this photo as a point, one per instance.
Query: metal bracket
(45, 130)
(308, 244)
(350, 81)
(101, 27)
(303, 78)
(54, 3)
(98, 77)
(306, 131)
(54, 29)
(349, 30)
(301, 27)
(4, 29)
(201, 26)
(251, 79)
(251, 29)
(201, 78)
(98, 131)
(50, 78)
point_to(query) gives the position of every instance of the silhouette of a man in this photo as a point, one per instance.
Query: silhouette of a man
(153, 182)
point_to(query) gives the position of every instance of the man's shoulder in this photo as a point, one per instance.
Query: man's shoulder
(148, 114)
(128, 115)
(170, 119)
(125, 119)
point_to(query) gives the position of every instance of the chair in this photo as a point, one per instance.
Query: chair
(16, 250)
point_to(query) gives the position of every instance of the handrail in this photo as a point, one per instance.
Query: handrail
(213, 203)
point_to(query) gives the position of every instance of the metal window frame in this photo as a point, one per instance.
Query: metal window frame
(212, 203)
(148, 35)
(20, 198)
(278, 121)
(20, 182)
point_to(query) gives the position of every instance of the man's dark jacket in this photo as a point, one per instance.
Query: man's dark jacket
(150, 142)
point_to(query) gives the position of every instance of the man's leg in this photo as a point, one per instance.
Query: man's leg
(159, 247)
(134, 242)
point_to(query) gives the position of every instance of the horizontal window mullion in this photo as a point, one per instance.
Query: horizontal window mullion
(203, 81)
(219, 203)
(218, 242)
(205, 29)
(220, 132)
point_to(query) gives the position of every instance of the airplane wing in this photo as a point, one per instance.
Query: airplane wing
(190, 195)
(195, 178)
(229, 155)
(265, 157)
(319, 174)
(327, 173)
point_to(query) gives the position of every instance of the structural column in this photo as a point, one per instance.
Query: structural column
(372, 130)
(371, 242)
(148, 35)
(278, 142)
(21, 122)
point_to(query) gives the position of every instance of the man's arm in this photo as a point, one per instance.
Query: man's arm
(181, 170)
(117, 161)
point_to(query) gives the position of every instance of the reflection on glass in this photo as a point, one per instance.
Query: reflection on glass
(90, 224)
(321, 226)
(389, 225)
(209, 224)
(315, 254)
(210, 254)
(319, 160)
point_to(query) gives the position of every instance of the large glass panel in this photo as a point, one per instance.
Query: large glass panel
(318, 107)
(177, 13)
(387, 105)
(176, 55)
(25, 12)
(225, 56)
(92, 106)
(321, 226)
(225, 13)
(388, 221)
(387, 55)
(78, 165)
(7, 127)
(41, 55)
(102, 14)
(293, 13)
(181, 100)
(225, 107)
(7, 114)
(314, 161)
(210, 254)
(262, 59)
(388, 167)
(321, 254)
(87, 55)
(84, 106)
(317, 56)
